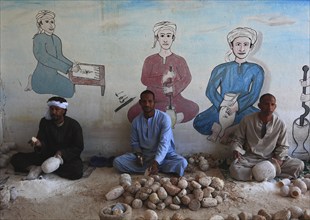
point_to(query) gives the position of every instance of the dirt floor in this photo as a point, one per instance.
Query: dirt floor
(53, 197)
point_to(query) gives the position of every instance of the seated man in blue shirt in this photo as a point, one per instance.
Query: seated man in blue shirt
(152, 143)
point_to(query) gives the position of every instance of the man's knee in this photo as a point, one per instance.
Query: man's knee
(238, 173)
(299, 166)
(14, 159)
(17, 161)
(184, 163)
(116, 162)
(293, 167)
(76, 175)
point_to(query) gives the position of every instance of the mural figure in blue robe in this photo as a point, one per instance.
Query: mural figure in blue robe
(233, 88)
(48, 76)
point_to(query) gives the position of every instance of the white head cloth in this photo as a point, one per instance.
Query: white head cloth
(162, 26)
(41, 15)
(63, 105)
(242, 32)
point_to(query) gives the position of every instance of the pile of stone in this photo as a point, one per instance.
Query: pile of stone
(158, 193)
(201, 161)
(294, 188)
(293, 212)
(7, 196)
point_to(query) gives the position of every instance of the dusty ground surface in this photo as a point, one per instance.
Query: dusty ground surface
(57, 198)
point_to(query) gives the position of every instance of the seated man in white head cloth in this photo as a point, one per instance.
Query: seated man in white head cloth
(59, 136)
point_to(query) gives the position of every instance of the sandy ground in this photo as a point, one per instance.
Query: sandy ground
(57, 198)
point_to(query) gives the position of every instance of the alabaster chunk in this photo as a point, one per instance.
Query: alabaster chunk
(161, 206)
(177, 216)
(150, 215)
(174, 206)
(185, 200)
(182, 184)
(194, 205)
(205, 181)
(154, 198)
(296, 212)
(115, 192)
(282, 215)
(264, 213)
(301, 185)
(172, 190)
(208, 202)
(217, 183)
(150, 205)
(162, 193)
(137, 204)
(295, 192)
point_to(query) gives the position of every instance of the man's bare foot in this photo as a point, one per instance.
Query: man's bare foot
(34, 173)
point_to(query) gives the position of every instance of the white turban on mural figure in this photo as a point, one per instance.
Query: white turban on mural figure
(242, 32)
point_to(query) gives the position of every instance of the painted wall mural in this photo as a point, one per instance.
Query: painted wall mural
(167, 75)
(123, 99)
(56, 74)
(116, 37)
(233, 88)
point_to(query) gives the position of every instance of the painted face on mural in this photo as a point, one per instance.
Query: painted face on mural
(241, 47)
(165, 38)
(48, 25)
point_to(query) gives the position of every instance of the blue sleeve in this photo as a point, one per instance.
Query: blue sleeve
(164, 139)
(252, 96)
(214, 82)
(134, 137)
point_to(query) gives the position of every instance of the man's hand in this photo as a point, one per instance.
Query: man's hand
(35, 143)
(279, 162)
(58, 154)
(153, 169)
(236, 154)
(139, 159)
(75, 68)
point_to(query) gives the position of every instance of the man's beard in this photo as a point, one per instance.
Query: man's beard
(54, 118)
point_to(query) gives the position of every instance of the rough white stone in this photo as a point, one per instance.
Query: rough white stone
(263, 171)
